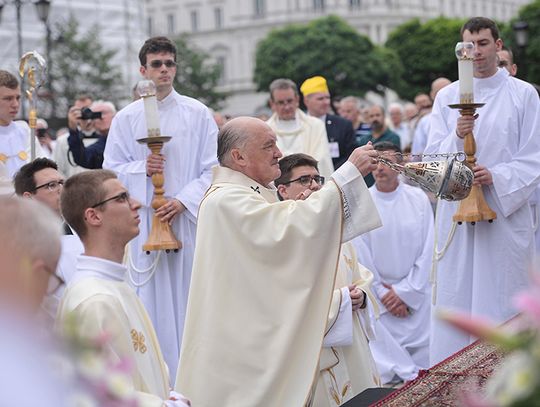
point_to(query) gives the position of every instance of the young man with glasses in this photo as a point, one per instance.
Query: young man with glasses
(101, 211)
(296, 131)
(40, 180)
(186, 161)
(345, 356)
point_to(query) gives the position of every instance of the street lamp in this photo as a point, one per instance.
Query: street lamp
(521, 34)
(42, 7)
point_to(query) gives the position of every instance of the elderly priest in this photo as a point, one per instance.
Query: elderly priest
(264, 274)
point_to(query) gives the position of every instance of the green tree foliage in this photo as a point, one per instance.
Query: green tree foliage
(528, 63)
(426, 52)
(328, 47)
(197, 76)
(80, 64)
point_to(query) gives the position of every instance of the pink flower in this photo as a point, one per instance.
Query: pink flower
(529, 303)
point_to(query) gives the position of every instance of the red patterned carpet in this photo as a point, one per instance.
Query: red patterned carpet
(443, 384)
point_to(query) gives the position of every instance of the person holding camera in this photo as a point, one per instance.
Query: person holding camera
(100, 113)
(44, 137)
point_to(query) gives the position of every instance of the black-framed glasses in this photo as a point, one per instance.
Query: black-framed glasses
(121, 198)
(51, 185)
(305, 180)
(156, 63)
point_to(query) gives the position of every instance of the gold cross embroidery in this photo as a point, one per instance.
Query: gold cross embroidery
(138, 341)
(349, 262)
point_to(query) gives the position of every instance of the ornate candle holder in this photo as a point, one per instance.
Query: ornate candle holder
(33, 65)
(474, 208)
(161, 236)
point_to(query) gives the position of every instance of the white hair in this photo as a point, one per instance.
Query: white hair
(396, 106)
(29, 225)
(106, 103)
(353, 99)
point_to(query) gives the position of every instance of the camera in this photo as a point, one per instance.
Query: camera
(87, 114)
(41, 133)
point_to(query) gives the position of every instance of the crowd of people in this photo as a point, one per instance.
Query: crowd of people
(303, 274)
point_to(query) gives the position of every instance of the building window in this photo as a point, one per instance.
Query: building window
(259, 8)
(318, 5)
(150, 23)
(194, 17)
(170, 24)
(218, 17)
(354, 3)
(220, 61)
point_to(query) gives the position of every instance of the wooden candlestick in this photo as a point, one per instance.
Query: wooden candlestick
(474, 208)
(161, 236)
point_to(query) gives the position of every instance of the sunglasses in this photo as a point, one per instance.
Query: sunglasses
(156, 63)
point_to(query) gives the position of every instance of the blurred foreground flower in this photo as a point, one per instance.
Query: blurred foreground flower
(516, 382)
(101, 379)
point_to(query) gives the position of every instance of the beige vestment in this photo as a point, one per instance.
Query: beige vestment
(345, 371)
(309, 137)
(262, 283)
(102, 301)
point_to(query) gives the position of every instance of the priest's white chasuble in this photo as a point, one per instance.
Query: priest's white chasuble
(263, 280)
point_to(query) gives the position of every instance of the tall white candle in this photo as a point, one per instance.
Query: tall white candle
(147, 90)
(465, 55)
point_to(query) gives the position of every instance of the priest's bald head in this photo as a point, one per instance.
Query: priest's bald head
(248, 145)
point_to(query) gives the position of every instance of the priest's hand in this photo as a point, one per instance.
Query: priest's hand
(482, 176)
(393, 303)
(358, 298)
(168, 211)
(154, 164)
(365, 159)
(465, 125)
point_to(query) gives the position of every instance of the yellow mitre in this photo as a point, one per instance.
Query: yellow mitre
(316, 84)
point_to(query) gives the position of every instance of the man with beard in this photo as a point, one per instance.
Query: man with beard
(379, 132)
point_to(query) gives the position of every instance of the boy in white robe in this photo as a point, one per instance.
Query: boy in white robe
(401, 252)
(346, 367)
(482, 266)
(98, 207)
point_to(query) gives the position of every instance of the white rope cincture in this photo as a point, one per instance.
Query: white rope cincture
(536, 216)
(438, 254)
(151, 269)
